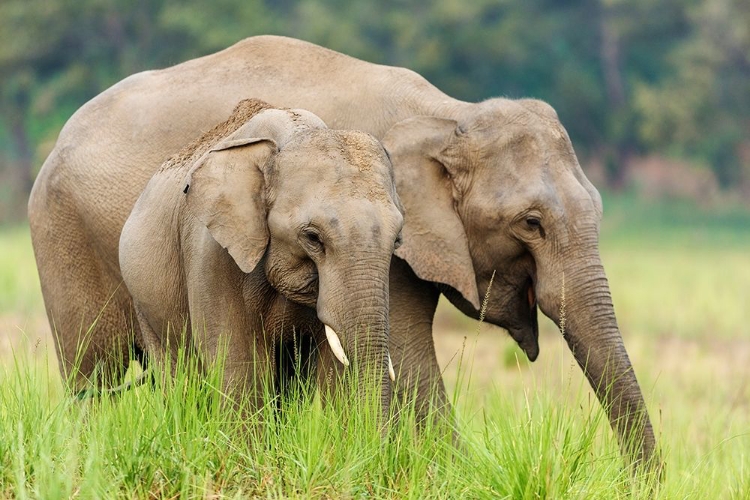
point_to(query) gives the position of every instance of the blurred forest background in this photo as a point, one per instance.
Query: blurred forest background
(655, 95)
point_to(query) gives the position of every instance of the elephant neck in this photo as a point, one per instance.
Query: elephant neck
(448, 108)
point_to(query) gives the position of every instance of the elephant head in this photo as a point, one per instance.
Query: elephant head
(501, 193)
(318, 209)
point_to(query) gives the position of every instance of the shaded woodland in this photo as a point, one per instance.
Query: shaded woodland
(630, 79)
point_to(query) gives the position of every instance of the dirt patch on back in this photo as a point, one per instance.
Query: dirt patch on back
(243, 112)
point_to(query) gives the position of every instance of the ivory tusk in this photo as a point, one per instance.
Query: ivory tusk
(335, 343)
(391, 371)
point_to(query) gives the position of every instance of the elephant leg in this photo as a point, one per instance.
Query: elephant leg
(151, 341)
(158, 354)
(418, 377)
(227, 341)
(247, 364)
(89, 310)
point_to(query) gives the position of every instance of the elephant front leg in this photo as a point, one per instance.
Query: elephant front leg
(155, 353)
(418, 378)
(242, 361)
(247, 376)
(163, 343)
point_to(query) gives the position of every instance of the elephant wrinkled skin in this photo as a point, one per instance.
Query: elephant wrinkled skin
(489, 187)
(270, 226)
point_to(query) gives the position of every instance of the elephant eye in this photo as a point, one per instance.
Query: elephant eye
(312, 239)
(534, 223)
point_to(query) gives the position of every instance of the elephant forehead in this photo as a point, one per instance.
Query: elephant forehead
(501, 125)
(333, 164)
(357, 148)
(340, 219)
(330, 182)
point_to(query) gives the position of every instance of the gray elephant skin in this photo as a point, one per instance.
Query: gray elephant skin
(269, 226)
(488, 187)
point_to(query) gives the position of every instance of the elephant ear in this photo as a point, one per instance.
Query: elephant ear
(225, 191)
(434, 239)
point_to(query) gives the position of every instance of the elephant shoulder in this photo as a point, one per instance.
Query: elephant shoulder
(150, 239)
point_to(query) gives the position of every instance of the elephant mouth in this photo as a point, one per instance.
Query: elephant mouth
(531, 295)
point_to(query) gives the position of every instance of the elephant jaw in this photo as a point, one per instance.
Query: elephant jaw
(527, 335)
(527, 340)
(338, 351)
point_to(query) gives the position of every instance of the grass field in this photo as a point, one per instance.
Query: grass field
(680, 279)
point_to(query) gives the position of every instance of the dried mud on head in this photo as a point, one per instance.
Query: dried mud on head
(243, 112)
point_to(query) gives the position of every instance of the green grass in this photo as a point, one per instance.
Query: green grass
(179, 440)
(677, 269)
(631, 221)
(680, 279)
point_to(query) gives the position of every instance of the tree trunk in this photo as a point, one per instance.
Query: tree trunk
(610, 59)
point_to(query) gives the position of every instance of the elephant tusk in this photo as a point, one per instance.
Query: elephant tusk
(335, 343)
(391, 371)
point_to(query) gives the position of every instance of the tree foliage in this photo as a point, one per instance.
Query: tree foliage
(626, 76)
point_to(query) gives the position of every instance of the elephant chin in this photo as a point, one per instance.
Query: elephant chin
(525, 329)
(527, 336)
(528, 340)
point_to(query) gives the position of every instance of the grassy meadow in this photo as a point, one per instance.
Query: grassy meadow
(680, 278)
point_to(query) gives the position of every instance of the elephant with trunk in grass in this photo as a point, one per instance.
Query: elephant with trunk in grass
(489, 188)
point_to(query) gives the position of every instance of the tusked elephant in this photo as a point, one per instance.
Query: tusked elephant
(268, 234)
(488, 187)
(269, 226)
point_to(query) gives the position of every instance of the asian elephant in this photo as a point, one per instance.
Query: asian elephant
(488, 187)
(269, 226)
(268, 234)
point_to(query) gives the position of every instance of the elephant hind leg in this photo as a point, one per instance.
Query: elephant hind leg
(94, 333)
(89, 310)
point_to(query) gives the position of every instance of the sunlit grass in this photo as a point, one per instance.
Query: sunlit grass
(680, 280)
(683, 292)
(179, 439)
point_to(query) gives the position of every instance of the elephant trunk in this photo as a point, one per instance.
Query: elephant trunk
(582, 308)
(354, 308)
